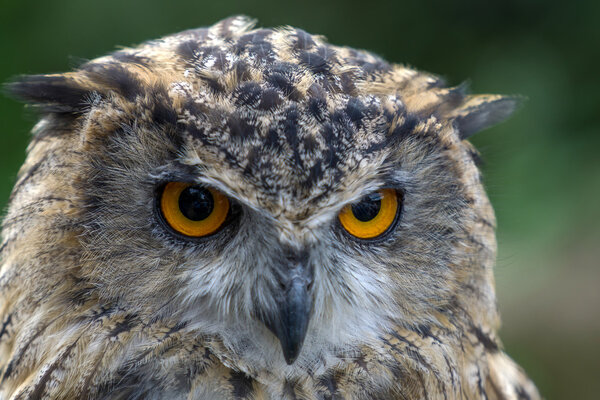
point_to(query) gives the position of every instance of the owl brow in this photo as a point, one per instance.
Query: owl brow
(387, 174)
(175, 171)
(180, 172)
(385, 180)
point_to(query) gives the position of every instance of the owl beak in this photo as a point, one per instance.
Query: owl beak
(294, 303)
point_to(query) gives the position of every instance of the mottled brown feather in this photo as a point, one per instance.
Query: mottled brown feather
(99, 300)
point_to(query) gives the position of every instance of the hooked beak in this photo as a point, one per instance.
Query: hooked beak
(294, 303)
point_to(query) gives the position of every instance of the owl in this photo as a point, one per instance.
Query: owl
(240, 213)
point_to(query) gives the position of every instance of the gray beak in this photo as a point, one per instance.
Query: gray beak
(294, 304)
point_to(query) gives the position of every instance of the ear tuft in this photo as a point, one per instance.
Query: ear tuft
(58, 93)
(480, 112)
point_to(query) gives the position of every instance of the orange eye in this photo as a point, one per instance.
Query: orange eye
(372, 216)
(193, 210)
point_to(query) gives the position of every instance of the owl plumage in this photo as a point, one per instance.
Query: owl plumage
(100, 298)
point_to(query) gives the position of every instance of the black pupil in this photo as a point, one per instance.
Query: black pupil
(196, 203)
(368, 208)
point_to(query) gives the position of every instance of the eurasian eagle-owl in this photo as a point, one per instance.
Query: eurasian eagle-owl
(251, 214)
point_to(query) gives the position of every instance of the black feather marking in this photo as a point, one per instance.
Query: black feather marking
(248, 94)
(272, 139)
(476, 157)
(54, 93)
(242, 385)
(522, 393)
(347, 80)
(252, 161)
(282, 81)
(18, 355)
(304, 41)
(356, 111)
(194, 108)
(329, 381)
(5, 325)
(290, 130)
(488, 343)
(315, 174)
(310, 144)
(317, 108)
(330, 155)
(315, 63)
(188, 50)
(214, 83)
(403, 130)
(343, 125)
(196, 132)
(162, 114)
(270, 99)
(124, 326)
(327, 53)
(114, 77)
(239, 128)
(485, 115)
(162, 111)
(255, 44)
(40, 386)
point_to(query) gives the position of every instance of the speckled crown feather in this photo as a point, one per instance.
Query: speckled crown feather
(247, 93)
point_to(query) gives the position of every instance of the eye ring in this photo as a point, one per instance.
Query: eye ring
(193, 210)
(373, 215)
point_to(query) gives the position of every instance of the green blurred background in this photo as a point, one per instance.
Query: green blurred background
(542, 167)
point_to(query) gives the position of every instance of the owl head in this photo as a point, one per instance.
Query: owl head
(288, 196)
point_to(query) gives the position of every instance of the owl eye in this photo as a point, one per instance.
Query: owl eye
(373, 215)
(193, 210)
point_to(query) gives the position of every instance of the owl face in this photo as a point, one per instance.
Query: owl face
(288, 196)
(281, 263)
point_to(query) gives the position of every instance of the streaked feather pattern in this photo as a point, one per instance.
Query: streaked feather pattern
(99, 300)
